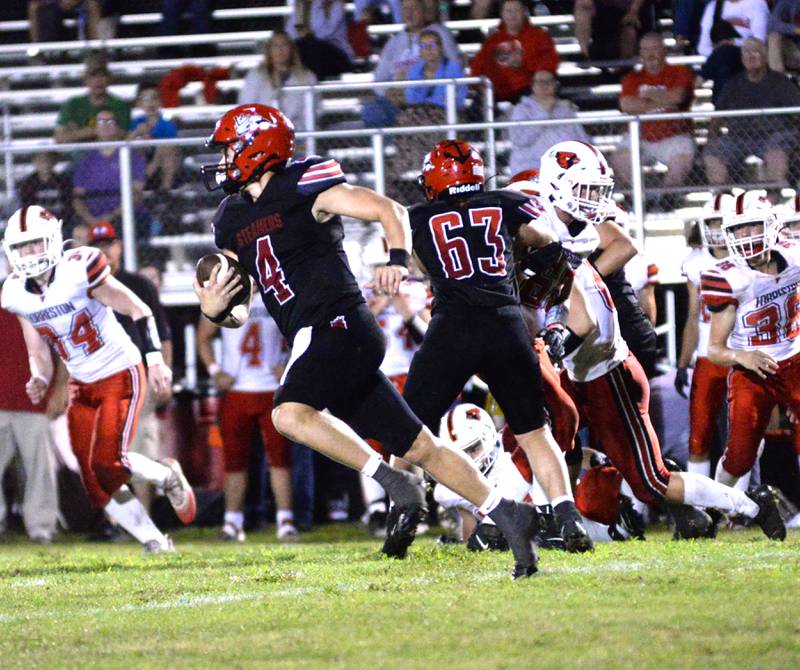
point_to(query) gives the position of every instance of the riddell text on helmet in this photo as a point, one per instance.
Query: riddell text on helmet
(464, 188)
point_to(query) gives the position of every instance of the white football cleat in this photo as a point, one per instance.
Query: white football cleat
(158, 547)
(179, 492)
(230, 532)
(287, 532)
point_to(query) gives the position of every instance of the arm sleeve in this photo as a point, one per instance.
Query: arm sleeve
(320, 176)
(386, 63)
(542, 54)
(704, 46)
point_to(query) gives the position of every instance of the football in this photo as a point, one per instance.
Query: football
(208, 262)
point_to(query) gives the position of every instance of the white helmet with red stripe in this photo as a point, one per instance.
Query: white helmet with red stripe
(468, 428)
(33, 224)
(789, 219)
(577, 179)
(749, 225)
(710, 221)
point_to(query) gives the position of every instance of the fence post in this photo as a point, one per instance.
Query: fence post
(311, 121)
(378, 162)
(637, 186)
(9, 157)
(491, 149)
(672, 335)
(450, 106)
(128, 222)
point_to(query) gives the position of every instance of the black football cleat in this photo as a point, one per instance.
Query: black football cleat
(547, 533)
(768, 517)
(576, 539)
(401, 529)
(629, 519)
(517, 522)
(690, 523)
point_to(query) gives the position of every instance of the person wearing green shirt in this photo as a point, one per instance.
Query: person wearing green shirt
(77, 116)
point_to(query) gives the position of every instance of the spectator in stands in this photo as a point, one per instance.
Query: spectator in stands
(77, 117)
(319, 28)
(528, 143)
(264, 84)
(47, 188)
(96, 180)
(200, 10)
(783, 40)
(398, 54)
(514, 52)
(658, 87)
(163, 162)
(364, 9)
(620, 22)
(25, 433)
(686, 23)
(725, 59)
(747, 18)
(771, 138)
(433, 64)
(46, 18)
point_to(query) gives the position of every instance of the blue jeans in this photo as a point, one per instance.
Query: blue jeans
(171, 11)
(303, 485)
(379, 113)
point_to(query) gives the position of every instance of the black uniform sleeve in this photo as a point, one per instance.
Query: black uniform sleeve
(222, 224)
(317, 174)
(518, 210)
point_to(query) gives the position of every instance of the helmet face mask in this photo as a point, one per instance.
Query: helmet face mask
(252, 139)
(577, 179)
(791, 228)
(710, 221)
(33, 229)
(470, 429)
(750, 226)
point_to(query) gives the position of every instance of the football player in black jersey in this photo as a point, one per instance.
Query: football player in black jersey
(281, 220)
(463, 238)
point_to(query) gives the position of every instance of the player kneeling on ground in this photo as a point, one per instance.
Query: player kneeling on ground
(282, 222)
(65, 300)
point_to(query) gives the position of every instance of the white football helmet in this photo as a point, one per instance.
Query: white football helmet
(789, 219)
(577, 179)
(749, 209)
(710, 221)
(526, 182)
(469, 428)
(31, 224)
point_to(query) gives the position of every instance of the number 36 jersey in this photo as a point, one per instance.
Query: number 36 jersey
(298, 263)
(82, 331)
(466, 247)
(767, 306)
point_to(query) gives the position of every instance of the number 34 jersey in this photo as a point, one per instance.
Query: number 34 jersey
(767, 306)
(251, 353)
(82, 331)
(466, 247)
(298, 263)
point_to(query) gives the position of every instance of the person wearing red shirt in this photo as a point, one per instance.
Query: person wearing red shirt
(24, 431)
(658, 87)
(513, 53)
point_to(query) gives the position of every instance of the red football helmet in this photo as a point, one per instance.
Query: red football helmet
(451, 168)
(253, 139)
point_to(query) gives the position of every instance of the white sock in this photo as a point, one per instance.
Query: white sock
(701, 491)
(491, 502)
(538, 496)
(699, 467)
(144, 469)
(723, 476)
(559, 499)
(283, 516)
(371, 466)
(744, 482)
(128, 512)
(374, 495)
(235, 518)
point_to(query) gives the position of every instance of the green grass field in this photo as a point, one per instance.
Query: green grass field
(330, 601)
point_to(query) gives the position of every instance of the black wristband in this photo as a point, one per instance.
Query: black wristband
(571, 342)
(398, 257)
(219, 318)
(148, 333)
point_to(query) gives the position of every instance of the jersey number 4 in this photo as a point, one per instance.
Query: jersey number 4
(250, 345)
(453, 250)
(270, 272)
(765, 322)
(82, 333)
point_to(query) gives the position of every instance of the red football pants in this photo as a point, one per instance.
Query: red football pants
(101, 417)
(597, 495)
(616, 409)
(750, 404)
(241, 414)
(706, 397)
